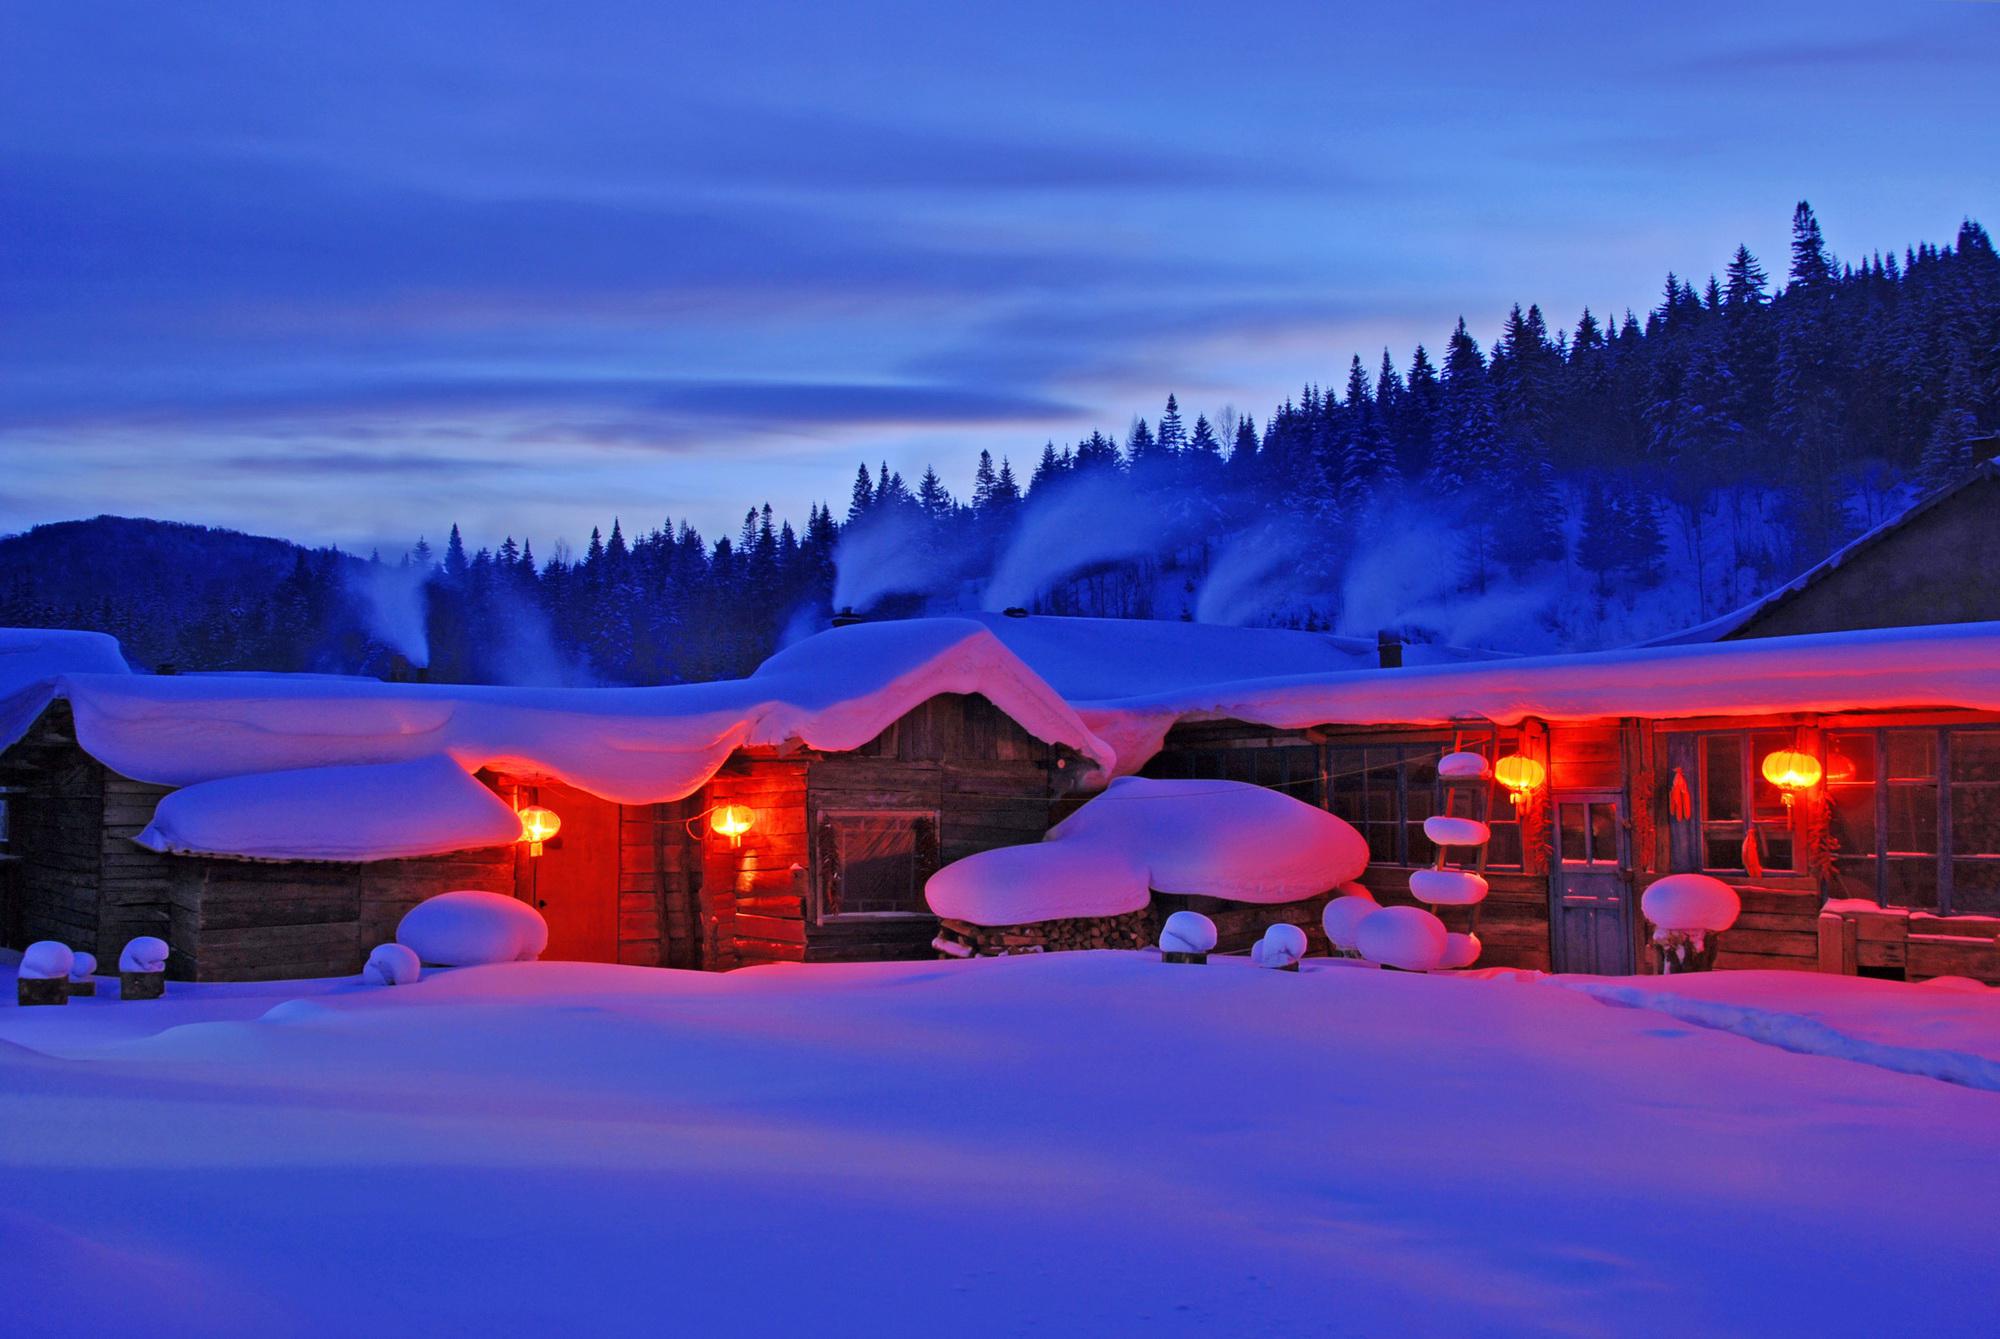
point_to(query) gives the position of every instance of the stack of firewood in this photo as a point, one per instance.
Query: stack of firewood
(1132, 930)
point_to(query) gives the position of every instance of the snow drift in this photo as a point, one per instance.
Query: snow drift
(375, 812)
(1195, 838)
(470, 928)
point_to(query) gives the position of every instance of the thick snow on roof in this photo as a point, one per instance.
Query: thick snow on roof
(32, 658)
(1956, 665)
(1093, 659)
(834, 691)
(373, 812)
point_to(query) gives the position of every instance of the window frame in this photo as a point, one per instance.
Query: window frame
(1749, 774)
(1945, 857)
(824, 817)
(1495, 741)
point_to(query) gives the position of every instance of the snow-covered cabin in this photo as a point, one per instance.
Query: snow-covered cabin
(279, 825)
(1653, 763)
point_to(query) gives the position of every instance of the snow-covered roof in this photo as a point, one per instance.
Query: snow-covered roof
(31, 657)
(1986, 471)
(836, 691)
(1093, 659)
(380, 811)
(1953, 665)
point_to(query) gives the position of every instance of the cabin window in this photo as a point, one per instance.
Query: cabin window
(6, 825)
(874, 863)
(1915, 817)
(1292, 768)
(1387, 790)
(1731, 797)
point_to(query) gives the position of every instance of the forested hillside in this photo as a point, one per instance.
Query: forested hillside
(1573, 486)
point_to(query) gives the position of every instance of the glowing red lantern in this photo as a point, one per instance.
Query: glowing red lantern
(537, 826)
(732, 821)
(1521, 775)
(1791, 771)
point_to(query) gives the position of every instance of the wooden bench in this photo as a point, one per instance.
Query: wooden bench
(1855, 936)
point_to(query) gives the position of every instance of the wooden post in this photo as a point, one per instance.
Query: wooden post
(31, 991)
(141, 985)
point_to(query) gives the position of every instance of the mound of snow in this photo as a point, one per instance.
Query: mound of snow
(392, 965)
(1281, 946)
(382, 812)
(1447, 887)
(1049, 881)
(1406, 937)
(1343, 916)
(1447, 831)
(144, 954)
(1223, 839)
(1687, 903)
(470, 928)
(1464, 767)
(46, 960)
(1460, 950)
(1187, 932)
(1963, 985)
(1196, 838)
(82, 966)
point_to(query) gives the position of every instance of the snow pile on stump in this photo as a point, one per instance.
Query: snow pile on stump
(470, 928)
(392, 965)
(1281, 947)
(146, 954)
(1686, 911)
(1406, 937)
(82, 966)
(46, 960)
(1221, 839)
(1343, 916)
(1187, 932)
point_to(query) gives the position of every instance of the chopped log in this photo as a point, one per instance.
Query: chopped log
(141, 985)
(31, 991)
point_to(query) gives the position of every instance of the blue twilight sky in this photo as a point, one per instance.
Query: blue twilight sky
(351, 271)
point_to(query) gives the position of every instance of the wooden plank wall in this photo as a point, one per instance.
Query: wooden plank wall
(252, 920)
(133, 896)
(988, 780)
(1513, 923)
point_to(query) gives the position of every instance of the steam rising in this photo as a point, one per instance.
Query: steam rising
(1098, 518)
(392, 604)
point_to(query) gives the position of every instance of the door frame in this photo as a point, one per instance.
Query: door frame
(1627, 917)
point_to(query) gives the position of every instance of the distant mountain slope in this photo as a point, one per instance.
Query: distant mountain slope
(189, 594)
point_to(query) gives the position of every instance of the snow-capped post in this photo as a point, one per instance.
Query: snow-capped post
(1687, 912)
(83, 974)
(1281, 947)
(142, 969)
(43, 977)
(1187, 937)
(393, 965)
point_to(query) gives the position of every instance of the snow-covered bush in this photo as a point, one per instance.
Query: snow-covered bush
(145, 954)
(468, 928)
(392, 965)
(46, 960)
(82, 966)
(1460, 950)
(1685, 910)
(1187, 932)
(1406, 937)
(1343, 916)
(1283, 945)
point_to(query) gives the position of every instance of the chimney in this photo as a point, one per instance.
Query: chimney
(1389, 649)
(847, 618)
(1014, 611)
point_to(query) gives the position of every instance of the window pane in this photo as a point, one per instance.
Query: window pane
(1574, 846)
(1505, 848)
(1911, 883)
(1851, 817)
(1723, 850)
(1722, 777)
(1850, 758)
(1911, 755)
(1856, 876)
(878, 864)
(1381, 842)
(1604, 834)
(1421, 850)
(1913, 818)
(1777, 847)
(1975, 816)
(1975, 755)
(1975, 887)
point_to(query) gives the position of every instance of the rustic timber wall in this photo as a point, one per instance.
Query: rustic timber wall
(248, 920)
(989, 781)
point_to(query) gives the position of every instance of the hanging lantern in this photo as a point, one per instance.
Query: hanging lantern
(1521, 775)
(1791, 771)
(537, 826)
(732, 821)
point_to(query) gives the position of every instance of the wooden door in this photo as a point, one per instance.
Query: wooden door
(574, 881)
(1590, 884)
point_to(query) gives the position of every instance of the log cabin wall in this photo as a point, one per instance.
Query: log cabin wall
(955, 763)
(257, 920)
(75, 874)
